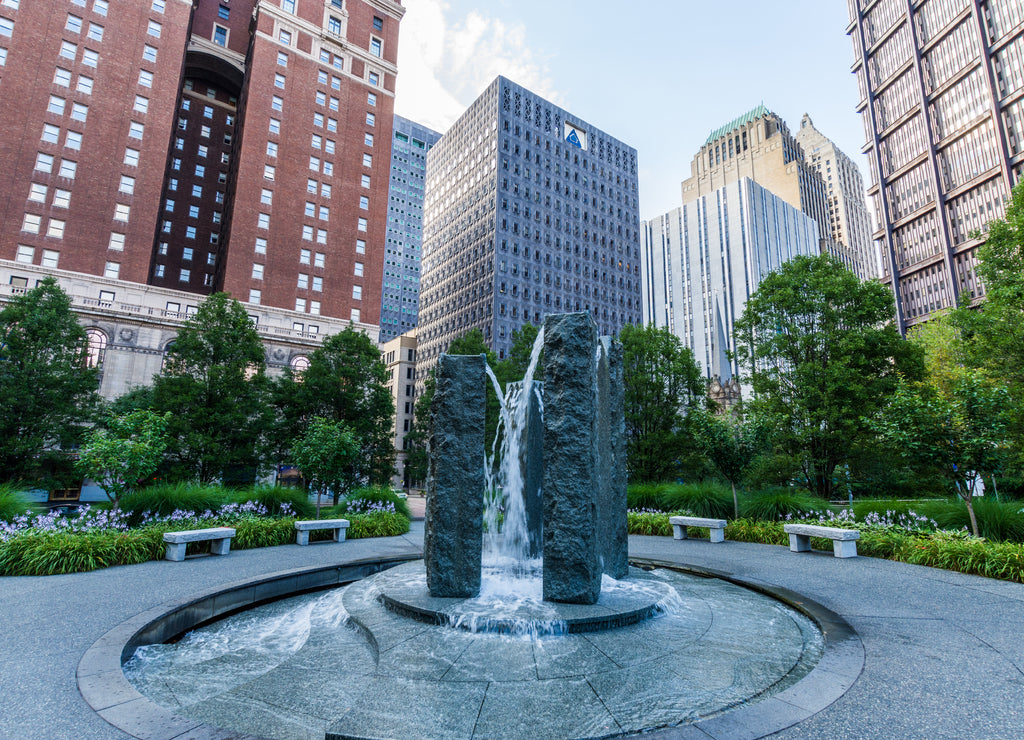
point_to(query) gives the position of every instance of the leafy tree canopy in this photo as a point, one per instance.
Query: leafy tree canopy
(822, 353)
(327, 453)
(214, 385)
(125, 453)
(46, 391)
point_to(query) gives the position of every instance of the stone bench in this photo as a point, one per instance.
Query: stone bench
(844, 541)
(305, 527)
(219, 537)
(680, 523)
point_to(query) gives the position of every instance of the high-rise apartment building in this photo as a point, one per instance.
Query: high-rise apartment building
(848, 219)
(399, 354)
(702, 262)
(942, 99)
(240, 146)
(758, 145)
(528, 211)
(400, 292)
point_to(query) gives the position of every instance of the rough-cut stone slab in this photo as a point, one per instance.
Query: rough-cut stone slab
(305, 527)
(612, 524)
(455, 482)
(220, 541)
(680, 523)
(844, 541)
(572, 571)
(533, 471)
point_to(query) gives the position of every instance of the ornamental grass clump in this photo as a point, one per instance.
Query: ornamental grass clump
(648, 522)
(777, 504)
(14, 504)
(380, 523)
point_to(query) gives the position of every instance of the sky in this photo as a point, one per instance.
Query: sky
(659, 75)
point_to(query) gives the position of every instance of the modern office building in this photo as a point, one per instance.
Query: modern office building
(702, 261)
(529, 210)
(400, 291)
(942, 99)
(399, 354)
(238, 145)
(758, 145)
(849, 223)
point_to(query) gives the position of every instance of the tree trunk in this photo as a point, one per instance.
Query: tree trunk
(735, 502)
(967, 494)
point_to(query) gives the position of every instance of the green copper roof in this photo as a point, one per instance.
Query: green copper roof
(743, 120)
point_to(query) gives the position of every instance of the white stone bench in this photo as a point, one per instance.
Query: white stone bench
(305, 527)
(219, 537)
(680, 523)
(844, 541)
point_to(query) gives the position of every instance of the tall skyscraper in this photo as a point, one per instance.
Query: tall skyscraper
(848, 218)
(240, 146)
(941, 85)
(702, 262)
(528, 211)
(400, 292)
(759, 145)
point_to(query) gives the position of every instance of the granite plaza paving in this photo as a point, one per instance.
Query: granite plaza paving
(941, 651)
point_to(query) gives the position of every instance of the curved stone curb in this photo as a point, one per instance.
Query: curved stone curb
(104, 687)
(841, 664)
(102, 682)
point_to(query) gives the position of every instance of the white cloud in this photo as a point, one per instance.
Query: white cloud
(444, 63)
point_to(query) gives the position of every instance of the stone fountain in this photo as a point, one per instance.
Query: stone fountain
(533, 626)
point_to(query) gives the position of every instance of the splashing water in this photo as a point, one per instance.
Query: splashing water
(507, 539)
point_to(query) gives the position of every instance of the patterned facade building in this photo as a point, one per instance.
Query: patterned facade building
(942, 100)
(399, 354)
(702, 262)
(400, 291)
(849, 222)
(528, 211)
(241, 146)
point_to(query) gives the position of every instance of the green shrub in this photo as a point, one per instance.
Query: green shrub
(50, 553)
(778, 503)
(377, 524)
(362, 500)
(755, 530)
(645, 495)
(272, 497)
(165, 498)
(707, 499)
(648, 523)
(997, 521)
(14, 503)
(1010, 488)
(252, 532)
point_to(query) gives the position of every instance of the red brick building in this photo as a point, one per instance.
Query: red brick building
(237, 145)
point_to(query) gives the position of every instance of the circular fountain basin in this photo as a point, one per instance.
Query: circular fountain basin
(514, 606)
(344, 664)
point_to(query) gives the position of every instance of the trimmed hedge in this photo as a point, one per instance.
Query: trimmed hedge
(956, 551)
(52, 553)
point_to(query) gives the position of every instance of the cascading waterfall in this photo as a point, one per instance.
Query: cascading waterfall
(507, 535)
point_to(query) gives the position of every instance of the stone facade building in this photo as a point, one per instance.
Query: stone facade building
(702, 262)
(400, 292)
(942, 99)
(528, 211)
(399, 355)
(849, 223)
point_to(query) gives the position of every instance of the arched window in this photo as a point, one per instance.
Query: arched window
(96, 345)
(298, 365)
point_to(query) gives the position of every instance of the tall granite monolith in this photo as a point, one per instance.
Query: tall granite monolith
(531, 458)
(612, 524)
(572, 571)
(453, 534)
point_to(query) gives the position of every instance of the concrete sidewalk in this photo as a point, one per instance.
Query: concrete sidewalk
(944, 654)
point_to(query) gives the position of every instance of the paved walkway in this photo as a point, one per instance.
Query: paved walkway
(944, 651)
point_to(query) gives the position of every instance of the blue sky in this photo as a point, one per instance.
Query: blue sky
(659, 75)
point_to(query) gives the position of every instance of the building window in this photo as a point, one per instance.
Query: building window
(68, 169)
(55, 228)
(95, 32)
(25, 254)
(319, 259)
(73, 24)
(362, 224)
(303, 282)
(371, 99)
(153, 29)
(334, 25)
(112, 270)
(96, 343)
(282, 59)
(285, 37)
(116, 242)
(184, 276)
(279, 81)
(367, 160)
(266, 196)
(127, 185)
(271, 149)
(370, 119)
(149, 54)
(318, 284)
(288, 5)
(257, 271)
(360, 246)
(145, 78)
(268, 172)
(37, 192)
(263, 221)
(79, 112)
(158, 271)
(357, 292)
(261, 246)
(378, 23)
(141, 104)
(224, 12)
(368, 139)
(73, 140)
(364, 202)
(131, 157)
(277, 103)
(84, 85)
(359, 269)
(62, 77)
(254, 297)
(375, 46)
(136, 129)
(374, 79)
(300, 304)
(51, 133)
(30, 224)
(275, 126)
(356, 315)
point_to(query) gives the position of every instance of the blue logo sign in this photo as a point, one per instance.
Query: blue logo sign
(574, 139)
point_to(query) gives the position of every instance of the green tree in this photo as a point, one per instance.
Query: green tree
(346, 381)
(46, 391)
(326, 454)
(962, 429)
(124, 454)
(663, 386)
(732, 443)
(822, 353)
(214, 385)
